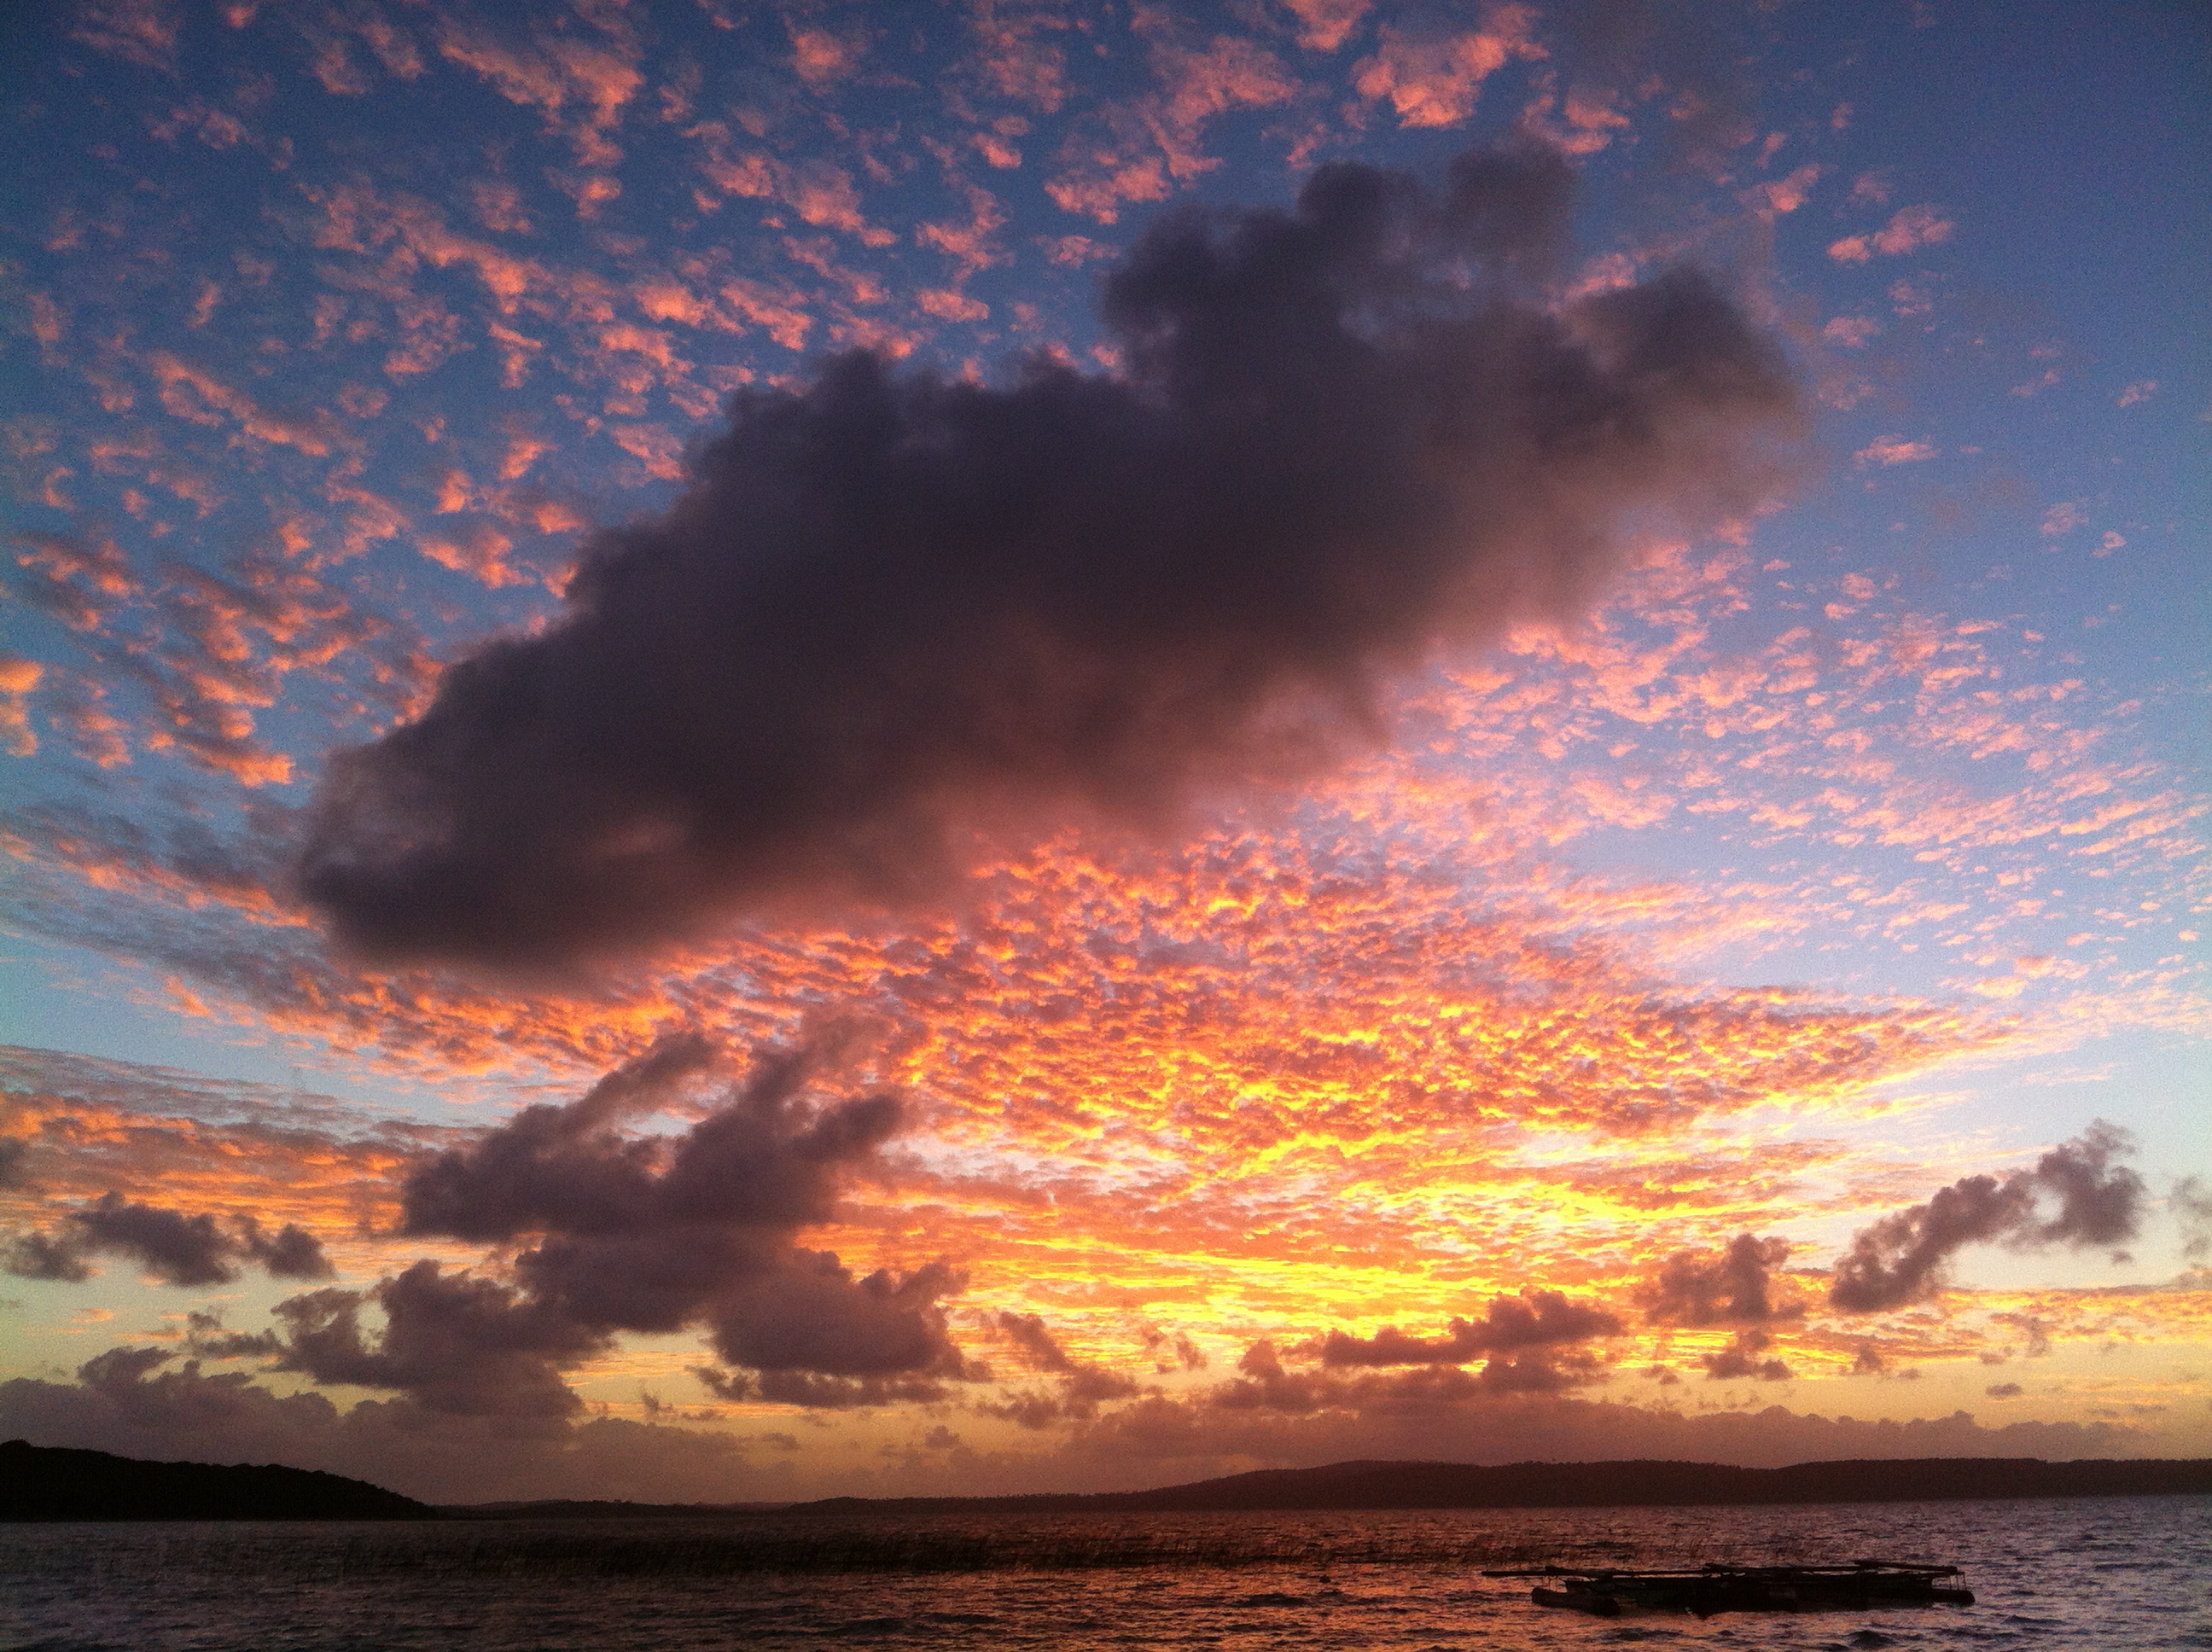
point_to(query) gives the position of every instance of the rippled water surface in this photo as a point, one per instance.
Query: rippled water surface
(2130, 1574)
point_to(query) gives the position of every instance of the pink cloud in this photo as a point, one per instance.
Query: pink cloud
(515, 351)
(358, 220)
(216, 128)
(1097, 180)
(1077, 250)
(824, 194)
(670, 300)
(590, 191)
(554, 73)
(1908, 227)
(1895, 449)
(1433, 80)
(333, 64)
(1323, 24)
(1231, 73)
(822, 58)
(499, 207)
(478, 550)
(780, 312)
(196, 395)
(1784, 194)
(74, 710)
(947, 305)
(1587, 124)
(144, 32)
(654, 445)
(749, 174)
(428, 334)
(18, 677)
(1013, 59)
(652, 344)
(1139, 150)
(996, 150)
(973, 245)
(820, 192)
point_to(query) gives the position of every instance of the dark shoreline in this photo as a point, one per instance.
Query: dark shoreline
(51, 1483)
(54, 1484)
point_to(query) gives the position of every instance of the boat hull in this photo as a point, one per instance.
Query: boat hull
(1706, 1598)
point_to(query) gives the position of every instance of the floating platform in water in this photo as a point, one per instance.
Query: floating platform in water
(1715, 1587)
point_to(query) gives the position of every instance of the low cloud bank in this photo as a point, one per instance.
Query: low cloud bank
(148, 1402)
(1507, 1334)
(673, 1195)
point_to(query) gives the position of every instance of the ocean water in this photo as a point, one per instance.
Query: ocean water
(2128, 1573)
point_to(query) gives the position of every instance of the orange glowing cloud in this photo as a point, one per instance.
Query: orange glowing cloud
(1433, 80)
(1139, 150)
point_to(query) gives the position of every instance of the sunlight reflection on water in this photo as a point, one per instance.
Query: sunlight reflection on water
(2126, 1574)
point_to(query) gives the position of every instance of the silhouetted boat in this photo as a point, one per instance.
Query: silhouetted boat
(1715, 1587)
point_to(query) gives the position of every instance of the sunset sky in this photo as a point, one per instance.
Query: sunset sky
(763, 751)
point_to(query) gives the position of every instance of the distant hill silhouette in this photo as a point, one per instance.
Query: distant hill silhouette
(47, 1483)
(51, 1483)
(599, 1508)
(1566, 1485)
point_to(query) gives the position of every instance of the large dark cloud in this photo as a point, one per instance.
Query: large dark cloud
(1901, 1257)
(892, 607)
(640, 1231)
(174, 1246)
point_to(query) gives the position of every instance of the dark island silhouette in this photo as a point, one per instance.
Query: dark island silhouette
(47, 1483)
(52, 1483)
(1632, 1483)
